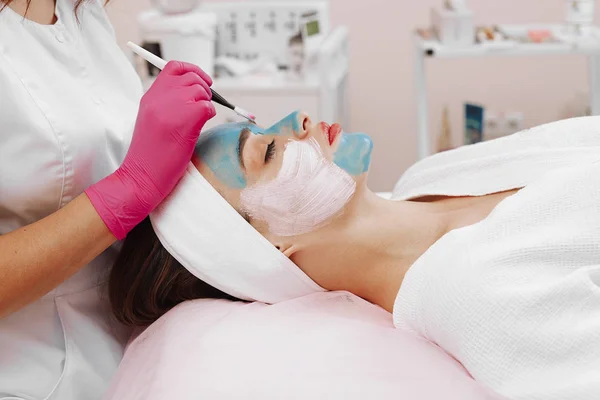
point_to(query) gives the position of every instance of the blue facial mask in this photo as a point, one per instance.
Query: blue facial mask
(353, 154)
(219, 147)
(286, 126)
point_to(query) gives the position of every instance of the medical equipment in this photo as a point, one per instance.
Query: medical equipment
(243, 30)
(311, 31)
(175, 6)
(296, 57)
(189, 37)
(321, 92)
(252, 40)
(160, 64)
(252, 28)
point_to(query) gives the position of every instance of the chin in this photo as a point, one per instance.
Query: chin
(361, 182)
(353, 154)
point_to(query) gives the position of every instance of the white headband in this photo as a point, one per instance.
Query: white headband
(211, 240)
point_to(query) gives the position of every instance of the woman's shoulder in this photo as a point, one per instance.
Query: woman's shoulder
(542, 243)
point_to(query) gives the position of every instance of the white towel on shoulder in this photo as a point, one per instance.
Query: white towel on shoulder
(516, 297)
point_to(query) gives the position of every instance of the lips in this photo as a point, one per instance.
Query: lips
(334, 132)
(331, 132)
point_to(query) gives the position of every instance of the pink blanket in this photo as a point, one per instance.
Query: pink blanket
(330, 345)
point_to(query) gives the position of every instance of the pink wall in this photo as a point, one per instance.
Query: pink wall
(381, 77)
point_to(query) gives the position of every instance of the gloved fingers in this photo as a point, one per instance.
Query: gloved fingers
(190, 79)
(206, 109)
(181, 68)
(203, 111)
(196, 93)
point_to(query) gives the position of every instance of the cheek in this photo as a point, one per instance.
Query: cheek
(308, 192)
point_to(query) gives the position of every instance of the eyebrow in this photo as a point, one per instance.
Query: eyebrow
(244, 135)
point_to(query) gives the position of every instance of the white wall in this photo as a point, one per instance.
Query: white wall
(381, 75)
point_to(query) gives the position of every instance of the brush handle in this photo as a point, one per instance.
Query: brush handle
(146, 55)
(217, 98)
(160, 64)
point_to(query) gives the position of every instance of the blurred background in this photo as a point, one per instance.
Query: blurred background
(418, 76)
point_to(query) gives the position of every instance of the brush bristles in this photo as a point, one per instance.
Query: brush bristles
(245, 114)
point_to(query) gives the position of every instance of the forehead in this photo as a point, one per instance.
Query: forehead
(286, 125)
(219, 149)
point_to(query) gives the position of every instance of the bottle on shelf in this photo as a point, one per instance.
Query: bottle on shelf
(444, 142)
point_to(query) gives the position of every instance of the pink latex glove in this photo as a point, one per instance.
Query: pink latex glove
(170, 117)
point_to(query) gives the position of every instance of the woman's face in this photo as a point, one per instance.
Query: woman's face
(289, 180)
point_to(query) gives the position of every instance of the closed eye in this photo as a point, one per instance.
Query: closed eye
(270, 153)
(242, 140)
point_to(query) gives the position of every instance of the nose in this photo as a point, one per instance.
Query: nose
(304, 125)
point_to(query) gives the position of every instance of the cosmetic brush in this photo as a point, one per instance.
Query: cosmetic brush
(160, 64)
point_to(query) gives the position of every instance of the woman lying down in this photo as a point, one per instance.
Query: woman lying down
(491, 251)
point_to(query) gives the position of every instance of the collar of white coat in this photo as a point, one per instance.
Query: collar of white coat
(210, 239)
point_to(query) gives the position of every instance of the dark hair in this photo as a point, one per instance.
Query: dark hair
(78, 4)
(146, 281)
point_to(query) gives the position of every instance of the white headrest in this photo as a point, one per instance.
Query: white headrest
(211, 240)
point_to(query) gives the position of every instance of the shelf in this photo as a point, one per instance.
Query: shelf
(587, 46)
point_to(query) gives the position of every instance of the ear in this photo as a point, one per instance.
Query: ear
(287, 249)
(287, 245)
(284, 245)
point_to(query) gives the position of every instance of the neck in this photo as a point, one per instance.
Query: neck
(381, 239)
(41, 12)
